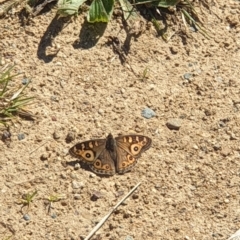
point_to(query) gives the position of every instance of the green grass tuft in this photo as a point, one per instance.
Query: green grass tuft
(13, 98)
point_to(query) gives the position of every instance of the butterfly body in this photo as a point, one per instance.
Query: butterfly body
(111, 155)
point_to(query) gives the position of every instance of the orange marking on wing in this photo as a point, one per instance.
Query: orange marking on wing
(90, 144)
(83, 146)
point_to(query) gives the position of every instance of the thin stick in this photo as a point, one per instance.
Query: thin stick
(38, 147)
(108, 215)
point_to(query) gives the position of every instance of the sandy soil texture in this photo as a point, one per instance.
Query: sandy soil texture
(190, 176)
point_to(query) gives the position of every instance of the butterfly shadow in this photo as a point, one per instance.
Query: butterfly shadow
(84, 166)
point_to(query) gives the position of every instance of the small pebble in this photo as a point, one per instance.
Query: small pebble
(174, 123)
(146, 201)
(226, 200)
(77, 166)
(26, 217)
(63, 176)
(77, 196)
(123, 90)
(233, 136)
(226, 151)
(193, 29)
(148, 113)
(216, 146)
(198, 71)
(119, 193)
(73, 175)
(151, 86)
(128, 237)
(111, 226)
(222, 124)
(56, 135)
(117, 185)
(92, 175)
(135, 196)
(174, 50)
(54, 216)
(54, 98)
(207, 112)
(138, 129)
(25, 81)
(198, 205)
(70, 137)
(195, 146)
(127, 214)
(6, 135)
(64, 203)
(44, 156)
(100, 111)
(95, 196)
(21, 136)
(76, 184)
(187, 76)
(65, 151)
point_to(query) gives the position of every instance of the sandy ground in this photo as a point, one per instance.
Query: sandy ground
(190, 177)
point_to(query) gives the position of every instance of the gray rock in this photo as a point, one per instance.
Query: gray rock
(25, 81)
(128, 237)
(54, 216)
(26, 217)
(21, 136)
(148, 113)
(174, 123)
(187, 76)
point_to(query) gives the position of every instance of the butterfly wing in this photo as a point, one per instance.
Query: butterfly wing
(94, 153)
(129, 149)
(103, 164)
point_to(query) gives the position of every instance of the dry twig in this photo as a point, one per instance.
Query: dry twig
(109, 214)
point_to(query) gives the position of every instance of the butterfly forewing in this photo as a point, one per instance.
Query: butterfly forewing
(129, 148)
(95, 154)
(88, 151)
(134, 144)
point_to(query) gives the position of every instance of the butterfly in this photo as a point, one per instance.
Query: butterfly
(111, 155)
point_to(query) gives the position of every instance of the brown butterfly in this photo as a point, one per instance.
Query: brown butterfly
(111, 155)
